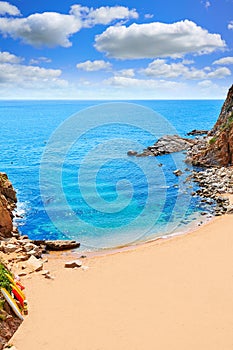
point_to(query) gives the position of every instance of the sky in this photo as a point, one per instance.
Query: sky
(148, 49)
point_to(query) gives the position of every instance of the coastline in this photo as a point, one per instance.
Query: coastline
(163, 294)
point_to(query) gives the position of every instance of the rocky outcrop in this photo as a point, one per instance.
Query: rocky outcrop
(61, 245)
(215, 185)
(7, 205)
(217, 150)
(165, 145)
(196, 132)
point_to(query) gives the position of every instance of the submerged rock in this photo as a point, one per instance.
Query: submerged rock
(177, 172)
(132, 153)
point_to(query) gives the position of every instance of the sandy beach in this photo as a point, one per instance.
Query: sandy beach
(170, 294)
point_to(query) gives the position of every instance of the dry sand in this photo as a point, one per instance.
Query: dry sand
(168, 295)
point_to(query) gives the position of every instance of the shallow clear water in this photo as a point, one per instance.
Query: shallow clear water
(75, 181)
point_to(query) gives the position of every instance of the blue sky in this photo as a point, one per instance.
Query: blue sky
(125, 50)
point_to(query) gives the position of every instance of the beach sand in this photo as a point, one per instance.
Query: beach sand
(167, 295)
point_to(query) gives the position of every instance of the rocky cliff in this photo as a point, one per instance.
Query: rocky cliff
(217, 148)
(7, 205)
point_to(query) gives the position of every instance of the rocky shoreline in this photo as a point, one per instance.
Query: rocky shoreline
(20, 255)
(211, 154)
(215, 187)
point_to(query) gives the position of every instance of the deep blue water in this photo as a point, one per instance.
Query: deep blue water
(74, 179)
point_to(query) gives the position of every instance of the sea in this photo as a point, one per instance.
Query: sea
(68, 162)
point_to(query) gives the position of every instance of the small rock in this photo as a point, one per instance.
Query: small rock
(23, 237)
(34, 264)
(132, 153)
(73, 264)
(29, 246)
(229, 209)
(10, 248)
(177, 172)
(22, 274)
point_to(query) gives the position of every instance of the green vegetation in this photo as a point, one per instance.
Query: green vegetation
(228, 124)
(213, 140)
(4, 281)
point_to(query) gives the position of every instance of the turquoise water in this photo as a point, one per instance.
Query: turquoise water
(74, 179)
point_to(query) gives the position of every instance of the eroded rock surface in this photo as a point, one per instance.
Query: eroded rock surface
(217, 148)
(7, 205)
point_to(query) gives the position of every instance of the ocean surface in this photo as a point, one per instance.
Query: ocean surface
(68, 161)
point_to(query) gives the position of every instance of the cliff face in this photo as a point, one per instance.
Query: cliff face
(7, 205)
(218, 150)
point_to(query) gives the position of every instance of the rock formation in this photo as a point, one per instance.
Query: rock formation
(217, 150)
(165, 145)
(7, 205)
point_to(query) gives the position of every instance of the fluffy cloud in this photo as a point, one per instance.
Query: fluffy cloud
(157, 40)
(54, 29)
(159, 68)
(129, 73)
(120, 81)
(40, 60)
(14, 74)
(230, 25)
(102, 15)
(48, 28)
(6, 57)
(224, 60)
(8, 9)
(91, 66)
(219, 73)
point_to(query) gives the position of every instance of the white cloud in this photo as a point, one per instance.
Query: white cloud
(230, 25)
(219, 73)
(23, 76)
(157, 40)
(127, 82)
(6, 57)
(55, 29)
(206, 3)
(148, 16)
(8, 9)
(40, 60)
(205, 83)
(159, 68)
(129, 73)
(91, 66)
(102, 15)
(48, 28)
(224, 60)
